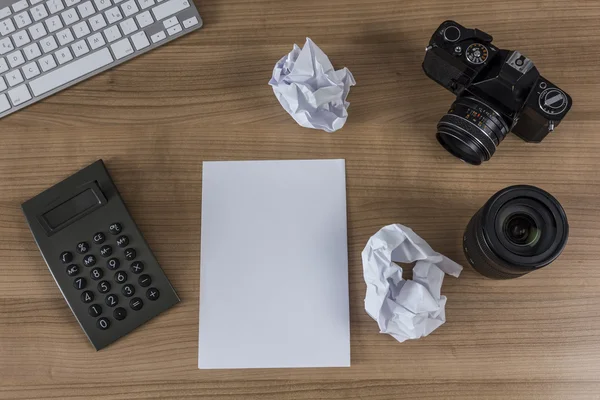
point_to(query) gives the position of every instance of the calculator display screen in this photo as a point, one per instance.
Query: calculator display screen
(71, 208)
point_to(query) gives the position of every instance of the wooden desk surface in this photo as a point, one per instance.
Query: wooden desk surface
(205, 97)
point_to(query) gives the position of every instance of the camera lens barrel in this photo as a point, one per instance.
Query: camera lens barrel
(519, 230)
(471, 130)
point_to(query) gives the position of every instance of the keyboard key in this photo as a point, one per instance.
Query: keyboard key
(169, 22)
(39, 12)
(128, 26)
(32, 51)
(96, 41)
(6, 46)
(34, 2)
(70, 16)
(144, 19)
(20, 5)
(37, 31)
(19, 95)
(69, 72)
(169, 8)
(22, 19)
(15, 59)
(158, 36)
(86, 9)
(140, 40)
(80, 48)
(13, 78)
(55, 6)
(146, 3)
(47, 63)
(4, 104)
(122, 49)
(53, 23)
(49, 44)
(5, 12)
(21, 38)
(81, 29)
(112, 34)
(7, 27)
(3, 66)
(190, 22)
(129, 8)
(64, 55)
(70, 3)
(65, 36)
(30, 70)
(97, 22)
(174, 29)
(102, 4)
(113, 15)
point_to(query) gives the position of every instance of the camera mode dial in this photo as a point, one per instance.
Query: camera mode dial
(477, 53)
(553, 101)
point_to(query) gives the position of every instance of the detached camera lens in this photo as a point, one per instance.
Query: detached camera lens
(471, 130)
(520, 229)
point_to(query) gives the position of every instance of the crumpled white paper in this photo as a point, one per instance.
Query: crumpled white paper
(405, 309)
(310, 90)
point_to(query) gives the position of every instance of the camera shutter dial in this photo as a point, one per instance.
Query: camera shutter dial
(477, 53)
(553, 101)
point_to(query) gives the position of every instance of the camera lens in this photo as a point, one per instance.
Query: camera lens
(471, 130)
(520, 229)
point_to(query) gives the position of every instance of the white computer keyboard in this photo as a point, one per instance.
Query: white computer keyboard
(46, 46)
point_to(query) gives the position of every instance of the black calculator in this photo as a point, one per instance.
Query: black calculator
(97, 255)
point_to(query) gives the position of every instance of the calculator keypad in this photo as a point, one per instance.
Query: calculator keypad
(106, 251)
(66, 257)
(72, 269)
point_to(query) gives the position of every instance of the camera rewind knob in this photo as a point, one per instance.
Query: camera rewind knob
(452, 33)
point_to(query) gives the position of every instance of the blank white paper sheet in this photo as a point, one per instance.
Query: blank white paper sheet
(274, 265)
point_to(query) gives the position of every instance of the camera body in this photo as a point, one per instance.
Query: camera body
(465, 62)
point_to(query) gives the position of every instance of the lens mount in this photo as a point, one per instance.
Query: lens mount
(471, 130)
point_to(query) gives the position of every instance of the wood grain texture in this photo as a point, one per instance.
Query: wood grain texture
(205, 97)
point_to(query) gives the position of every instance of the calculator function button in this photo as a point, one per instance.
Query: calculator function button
(87, 296)
(120, 313)
(105, 251)
(99, 238)
(128, 290)
(120, 277)
(95, 310)
(79, 283)
(115, 228)
(111, 300)
(152, 294)
(72, 269)
(136, 304)
(136, 267)
(113, 263)
(83, 247)
(122, 241)
(130, 254)
(96, 274)
(144, 280)
(104, 287)
(103, 323)
(66, 257)
(89, 260)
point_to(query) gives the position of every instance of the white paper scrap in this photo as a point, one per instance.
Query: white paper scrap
(310, 90)
(405, 309)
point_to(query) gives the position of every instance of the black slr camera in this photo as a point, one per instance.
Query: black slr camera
(497, 91)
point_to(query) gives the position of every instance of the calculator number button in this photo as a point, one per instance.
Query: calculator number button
(144, 280)
(136, 304)
(96, 274)
(87, 296)
(95, 310)
(104, 287)
(122, 241)
(79, 283)
(72, 269)
(111, 300)
(136, 267)
(152, 294)
(66, 257)
(115, 228)
(82, 247)
(120, 277)
(103, 323)
(89, 260)
(99, 238)
(130, 254)
(120, 313)
(128, 290)
(113, 263)
(105, 251)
